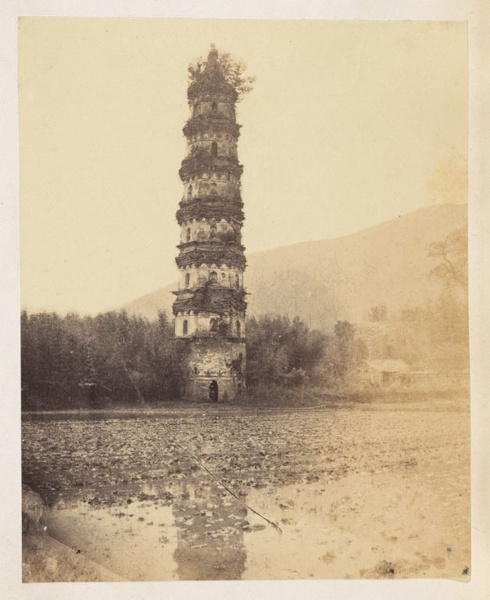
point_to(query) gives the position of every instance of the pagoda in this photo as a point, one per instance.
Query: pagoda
(210, 304)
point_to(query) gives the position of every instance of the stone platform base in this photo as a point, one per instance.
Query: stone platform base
(215, 369)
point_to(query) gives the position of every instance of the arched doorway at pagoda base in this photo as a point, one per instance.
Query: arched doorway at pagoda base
(213, 391)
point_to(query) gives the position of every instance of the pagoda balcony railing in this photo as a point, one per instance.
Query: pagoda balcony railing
(198, 258)
(226, 238)
(212, 254)
(211, 121)
(201, 334)
(234, 196)
(211, 208)
(214, 289)
(210, 298)
(202, 161)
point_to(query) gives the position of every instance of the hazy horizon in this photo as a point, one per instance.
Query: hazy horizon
(174, 281)
(369, 117)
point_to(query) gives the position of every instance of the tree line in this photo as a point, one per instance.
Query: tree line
(74, 361)
(114, 358)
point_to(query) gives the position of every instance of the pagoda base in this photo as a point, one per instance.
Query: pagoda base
(215, 369)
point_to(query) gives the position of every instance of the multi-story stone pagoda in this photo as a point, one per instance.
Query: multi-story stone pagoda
(210, 305)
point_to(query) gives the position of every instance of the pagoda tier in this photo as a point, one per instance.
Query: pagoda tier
(200, 162)
(220, 256)
(210, 208)
(216, 123)
(211, 298)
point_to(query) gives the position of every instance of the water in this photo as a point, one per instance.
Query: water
(199, 532)
(204, 534)
(355, 493)
(177, 531)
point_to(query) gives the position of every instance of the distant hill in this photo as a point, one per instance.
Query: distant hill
(341, 278)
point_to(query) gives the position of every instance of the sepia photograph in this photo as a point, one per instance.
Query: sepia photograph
(244, 299)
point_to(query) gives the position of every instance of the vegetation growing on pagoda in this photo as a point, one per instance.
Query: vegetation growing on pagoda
(229, 77)
(228, 237)
(211, 122)
(232, 236)
(213, 254)
(210, 207)
(212, 298)
(201, 160)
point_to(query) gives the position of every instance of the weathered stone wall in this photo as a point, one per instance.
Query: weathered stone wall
(231, 277)
(222, 185)
(204, 229)
(219, 360)
(202, 324)
(226, 143)
(216, 105)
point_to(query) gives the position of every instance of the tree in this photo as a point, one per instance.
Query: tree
(452, 256)
(378, 313)
(451, 317)
(89, 361)
(344, 338)
(282, 352)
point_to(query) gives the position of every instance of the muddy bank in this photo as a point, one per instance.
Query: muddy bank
(44, 559)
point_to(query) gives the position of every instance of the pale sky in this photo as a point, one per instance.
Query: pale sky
(349, 124)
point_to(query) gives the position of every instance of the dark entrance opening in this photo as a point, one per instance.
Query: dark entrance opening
(213, 391)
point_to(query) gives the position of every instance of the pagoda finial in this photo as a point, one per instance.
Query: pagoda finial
(213, 55)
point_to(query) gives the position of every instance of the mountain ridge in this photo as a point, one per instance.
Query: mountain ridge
(340, 278)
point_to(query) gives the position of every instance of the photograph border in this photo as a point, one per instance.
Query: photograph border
(477, 14)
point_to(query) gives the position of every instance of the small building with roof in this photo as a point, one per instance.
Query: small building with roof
(385, 371)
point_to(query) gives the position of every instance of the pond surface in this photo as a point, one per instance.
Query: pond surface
(353, 493)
